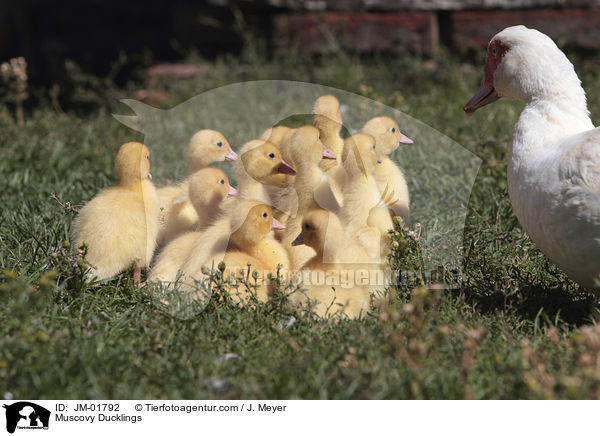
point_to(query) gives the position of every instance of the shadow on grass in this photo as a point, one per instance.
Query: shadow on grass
(547, 305)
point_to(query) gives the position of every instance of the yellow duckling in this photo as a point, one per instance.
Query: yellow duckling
(282, 196)
(251, 248)
(362, 199)
(262, 177)
(252, 234)
(287, 143)
(120, 224)
(259, 165)
(280, 189)
(311, 188)
(206, 147)
(177, 213)
(327, 117)
(390, 179)
(208, 187)
(331, 275)
(290, 141)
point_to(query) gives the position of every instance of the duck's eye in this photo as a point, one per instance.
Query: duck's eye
(393, 130)
(272, 155)
(220, 144)
(265, 215)
(373, 147)
(147, 156)
(494, 51)
(307, 226)
(222, 181)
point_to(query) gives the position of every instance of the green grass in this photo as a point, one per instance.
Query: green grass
(517, 328)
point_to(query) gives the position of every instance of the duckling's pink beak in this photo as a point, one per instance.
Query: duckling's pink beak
(405, 139)
(299, 240)
(379, 160)
(149, 176)
(231, 155)
(277, 225)
(284, 168)
(327, 153)
(232, 191)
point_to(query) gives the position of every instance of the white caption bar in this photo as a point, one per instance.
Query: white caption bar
(24, 417)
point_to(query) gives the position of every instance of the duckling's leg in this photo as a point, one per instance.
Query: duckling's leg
(137, 275)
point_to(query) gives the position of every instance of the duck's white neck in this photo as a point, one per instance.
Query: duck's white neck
(547, 120)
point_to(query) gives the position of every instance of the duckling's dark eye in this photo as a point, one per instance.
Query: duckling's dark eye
(222, 182)
(393, 130)
(307, 226)
(220, 144)
(272, 155)
(265, 214)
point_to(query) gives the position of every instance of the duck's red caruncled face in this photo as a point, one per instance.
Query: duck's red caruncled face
(495, 54)
(487, 94)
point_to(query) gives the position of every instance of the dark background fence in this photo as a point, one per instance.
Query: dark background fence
(94, 33)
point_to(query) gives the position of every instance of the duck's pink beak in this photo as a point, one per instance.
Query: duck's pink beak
(486, 95)
(149, 176)
(299, 240)
(231, 155)
(232, 191)
(328, 154)
(277, 225)
(284, 168)
(405, 139)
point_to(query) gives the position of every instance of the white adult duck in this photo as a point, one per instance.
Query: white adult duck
(554, 155)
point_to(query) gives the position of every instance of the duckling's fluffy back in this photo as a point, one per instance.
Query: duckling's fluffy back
(171, 258)
(119, 227)
(176, 216)
(275, 135)
(340, 277)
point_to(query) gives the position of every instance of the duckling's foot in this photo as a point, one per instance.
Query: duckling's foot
(137, 275)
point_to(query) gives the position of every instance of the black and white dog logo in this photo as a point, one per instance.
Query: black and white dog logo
(26, 415)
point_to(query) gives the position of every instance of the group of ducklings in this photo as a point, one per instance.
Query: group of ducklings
(309, 206)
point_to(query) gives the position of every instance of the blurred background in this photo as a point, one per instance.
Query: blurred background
(70, 43)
